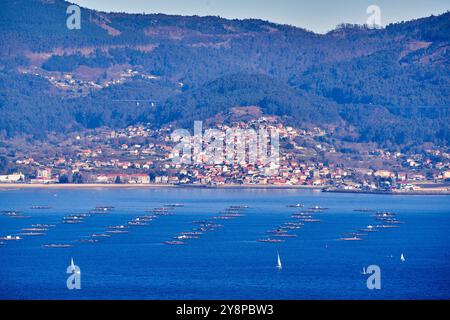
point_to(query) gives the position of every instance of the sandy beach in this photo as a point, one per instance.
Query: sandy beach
(9, 186)
(79, 186)
(18, 186)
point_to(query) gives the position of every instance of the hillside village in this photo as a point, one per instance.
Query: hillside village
(141, 155)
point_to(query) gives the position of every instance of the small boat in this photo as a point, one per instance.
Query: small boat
(100, 235)
(11, 238)
(301, 216)
(355, 238)
(158, 210)
(80, 215)
(228, 210)
(207, 227)
(88, 240)
(174, 243)
(164, 213)
(101, 210)
(73, 218)
(393, 221)
(191, 233)
(317, 208)
(57, 246)
(369, 229)
(104, 208)
(385, 214)
(72, 221)
(353, 234)
(364, 271)
(120, 227)
(34, 229)
(204, 229)
(232, 215)
(40, 225)
(137, 224)
(185, 237)
(311, 220)
(298, 224)
(276, 231)
(402, 258)
(223, 218)
(174, 205)
(211, 225)
(298, 205)
(269, 240)
(279, 266)
(146, 219)
(40, 207)
(289, 227)
(200, 221)
(386, 226)
(285, 235)
(308, 211)
(116, 231)
(14, 214)
(10, 212)
(31, 234)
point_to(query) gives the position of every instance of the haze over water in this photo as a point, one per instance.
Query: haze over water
(227, 263)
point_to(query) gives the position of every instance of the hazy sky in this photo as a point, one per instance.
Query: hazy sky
(316, 15)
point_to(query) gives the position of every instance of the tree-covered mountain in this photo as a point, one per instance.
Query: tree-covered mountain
(391, 84)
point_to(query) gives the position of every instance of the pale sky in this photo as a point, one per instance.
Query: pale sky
(316, 15)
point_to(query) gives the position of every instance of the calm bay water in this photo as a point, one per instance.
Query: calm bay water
(227, 263)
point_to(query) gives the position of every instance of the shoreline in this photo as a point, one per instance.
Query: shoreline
(78, 186)
(18, 186)
(394, 193)
(145, 186)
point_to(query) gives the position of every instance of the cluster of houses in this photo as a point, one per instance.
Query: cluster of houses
(300, 174)
(140, 155)
(69, 83)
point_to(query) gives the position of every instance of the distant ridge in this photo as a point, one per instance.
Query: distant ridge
(363, 81)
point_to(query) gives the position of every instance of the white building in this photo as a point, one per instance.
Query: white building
(44, 173)
(12, 178)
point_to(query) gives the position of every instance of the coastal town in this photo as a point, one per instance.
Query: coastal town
(140, 155)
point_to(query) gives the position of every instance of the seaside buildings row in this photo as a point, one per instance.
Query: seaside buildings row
(140, 155)
(291, 174)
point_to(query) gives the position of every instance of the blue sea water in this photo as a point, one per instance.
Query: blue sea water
(227, 263)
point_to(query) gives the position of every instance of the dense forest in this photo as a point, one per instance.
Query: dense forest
(391, 84)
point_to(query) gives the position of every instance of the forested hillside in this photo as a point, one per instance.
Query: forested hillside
(391, 84)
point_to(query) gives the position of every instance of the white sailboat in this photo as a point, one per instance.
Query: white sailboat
(364, 271)
(73, 267)
(402, 258)
(279, 266)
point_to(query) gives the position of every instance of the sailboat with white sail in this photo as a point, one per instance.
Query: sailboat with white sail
(402, 258)
(279, 266)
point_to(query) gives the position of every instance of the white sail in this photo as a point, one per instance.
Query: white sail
(402, 258)
(279, 266)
